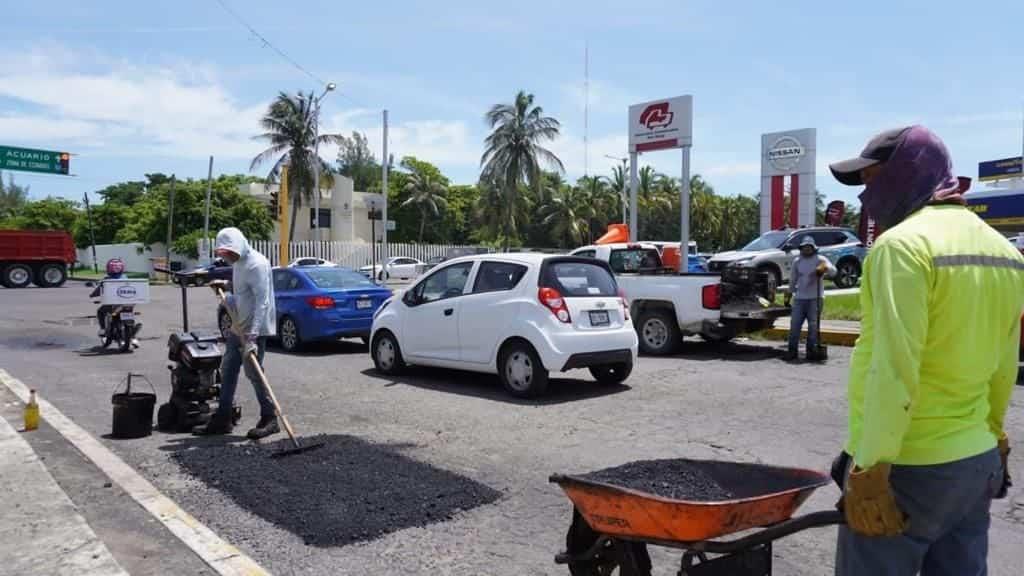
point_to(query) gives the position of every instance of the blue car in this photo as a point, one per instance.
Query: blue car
(323, 303)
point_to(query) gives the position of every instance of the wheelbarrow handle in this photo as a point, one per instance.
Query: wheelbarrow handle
(769, 534)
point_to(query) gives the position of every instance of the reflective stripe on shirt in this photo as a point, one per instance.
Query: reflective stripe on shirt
(977, 260)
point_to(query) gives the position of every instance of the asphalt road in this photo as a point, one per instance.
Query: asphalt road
(403, 441)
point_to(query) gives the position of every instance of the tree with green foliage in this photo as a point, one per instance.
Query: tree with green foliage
(356, 161)
(567, 215)
(427, 194)
(290, 125)
(514, 154)
(13, 197)
(47, 214)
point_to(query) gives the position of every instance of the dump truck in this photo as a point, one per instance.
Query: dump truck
(35, 257)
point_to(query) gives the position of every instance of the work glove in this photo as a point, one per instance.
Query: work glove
(869, 504)
(821, 269)
(250, 344)
(1004, 456)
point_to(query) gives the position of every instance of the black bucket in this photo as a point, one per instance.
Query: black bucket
(133, 412)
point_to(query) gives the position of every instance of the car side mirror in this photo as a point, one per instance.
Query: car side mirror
(411, 299)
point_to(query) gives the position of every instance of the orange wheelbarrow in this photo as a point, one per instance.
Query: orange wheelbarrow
(614, 521)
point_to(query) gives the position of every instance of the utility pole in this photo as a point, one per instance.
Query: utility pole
(384, 190)
(205, 256)
(316, 165)
(170, 220)
(92, 236)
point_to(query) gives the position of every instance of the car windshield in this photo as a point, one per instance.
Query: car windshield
(338, 278)
(633, 259)
(766, 242)
(579, 279)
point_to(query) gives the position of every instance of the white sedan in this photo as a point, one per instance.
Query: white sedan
(519, 316)
(311, 262)
(399, 267)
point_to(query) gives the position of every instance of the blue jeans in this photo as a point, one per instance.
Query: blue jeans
(230, 366)
(948, 508)
(804, 310)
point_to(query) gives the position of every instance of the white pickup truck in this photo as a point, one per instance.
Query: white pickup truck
(666, 306)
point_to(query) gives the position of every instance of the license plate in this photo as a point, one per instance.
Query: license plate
(363, 304)
(599, 318)
(127, 316)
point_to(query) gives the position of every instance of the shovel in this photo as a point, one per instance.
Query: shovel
(255, 363)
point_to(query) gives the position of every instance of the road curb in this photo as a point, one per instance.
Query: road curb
(218, 554)
(830, 337)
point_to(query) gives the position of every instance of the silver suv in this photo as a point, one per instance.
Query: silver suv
(773, 253)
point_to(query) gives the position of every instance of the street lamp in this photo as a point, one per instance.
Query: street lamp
(624, 161)
(316, 163)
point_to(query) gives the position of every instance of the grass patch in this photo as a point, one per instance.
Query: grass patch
(838, 307)
(88, 274)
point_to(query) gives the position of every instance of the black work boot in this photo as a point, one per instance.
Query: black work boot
(265, 427)
(218, 425)
(790, 356)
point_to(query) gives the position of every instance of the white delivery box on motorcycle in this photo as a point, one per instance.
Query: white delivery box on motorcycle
(125, 292)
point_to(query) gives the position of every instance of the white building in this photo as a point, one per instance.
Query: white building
(344, 213)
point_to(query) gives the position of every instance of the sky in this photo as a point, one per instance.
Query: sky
(139, 87)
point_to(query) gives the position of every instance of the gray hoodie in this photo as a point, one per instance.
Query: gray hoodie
(253, 297)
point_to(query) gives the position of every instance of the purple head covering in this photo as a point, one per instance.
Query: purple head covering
(918, 171)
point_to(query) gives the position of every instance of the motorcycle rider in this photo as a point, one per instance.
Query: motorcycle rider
(115, 271)
(252, 303)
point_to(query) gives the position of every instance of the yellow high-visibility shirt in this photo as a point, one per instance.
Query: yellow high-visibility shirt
(931, 375)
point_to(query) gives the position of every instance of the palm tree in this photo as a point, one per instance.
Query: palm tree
(290, 124)
(568, 215)
(428, 195)
(514, 154)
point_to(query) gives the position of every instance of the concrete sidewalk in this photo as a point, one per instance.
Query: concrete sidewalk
(41, 530)
(833, 332)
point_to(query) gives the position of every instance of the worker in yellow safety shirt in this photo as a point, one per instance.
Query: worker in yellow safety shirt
(933, 369)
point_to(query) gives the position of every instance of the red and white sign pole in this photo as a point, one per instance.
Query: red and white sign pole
(662, 125)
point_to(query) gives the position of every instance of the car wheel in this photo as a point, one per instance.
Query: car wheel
(382, 276)
(521, 371)
(774, 278)
(224, 323)
(51, 276)
(611, 373)
(17, 276)
(658, 332)
(847, 274)
(288, 333)
(387, 355)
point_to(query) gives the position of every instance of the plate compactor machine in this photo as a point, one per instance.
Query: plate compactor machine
(195, 373)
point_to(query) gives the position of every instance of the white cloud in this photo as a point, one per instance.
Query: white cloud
(116, 108)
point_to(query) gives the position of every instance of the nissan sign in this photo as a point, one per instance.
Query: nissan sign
(785, 153)
(661, 124)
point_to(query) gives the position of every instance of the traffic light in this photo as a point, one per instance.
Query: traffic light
(65, 162)
(273, 208)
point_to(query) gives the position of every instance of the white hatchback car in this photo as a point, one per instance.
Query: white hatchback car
(520, 316)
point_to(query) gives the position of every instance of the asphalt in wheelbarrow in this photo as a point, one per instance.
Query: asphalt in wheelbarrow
(698, 480)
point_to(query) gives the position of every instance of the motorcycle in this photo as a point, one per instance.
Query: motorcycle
(119, 323)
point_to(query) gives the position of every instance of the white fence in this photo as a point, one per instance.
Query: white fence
(352, 254)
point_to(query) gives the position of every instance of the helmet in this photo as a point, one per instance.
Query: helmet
(808, 241)
(115, 266)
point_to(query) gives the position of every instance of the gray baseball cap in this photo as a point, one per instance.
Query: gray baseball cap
(878, 150)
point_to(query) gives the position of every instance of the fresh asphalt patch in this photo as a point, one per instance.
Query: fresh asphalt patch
(697, 480)
(347, 491)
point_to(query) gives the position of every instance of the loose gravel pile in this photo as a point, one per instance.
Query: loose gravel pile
(346, 491)
(696, 480)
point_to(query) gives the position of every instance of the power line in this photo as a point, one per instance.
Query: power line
(268, 44)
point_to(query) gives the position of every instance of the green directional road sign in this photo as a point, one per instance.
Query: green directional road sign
(31, 160)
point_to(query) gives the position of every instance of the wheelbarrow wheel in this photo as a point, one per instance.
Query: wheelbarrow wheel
(616, 557)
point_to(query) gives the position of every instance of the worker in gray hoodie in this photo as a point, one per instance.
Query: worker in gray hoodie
(807, 293)
(252, 303)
